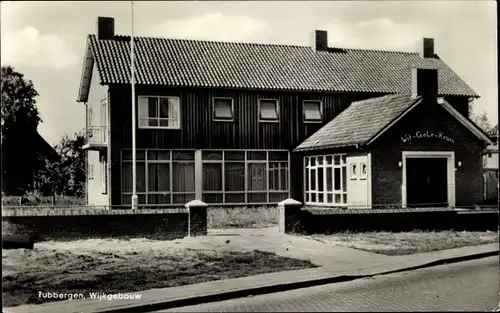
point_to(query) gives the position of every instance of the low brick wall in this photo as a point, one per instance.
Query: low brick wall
(318, 220)
(83, 223)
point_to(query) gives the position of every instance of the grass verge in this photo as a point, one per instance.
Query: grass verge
(113, 266)
(404, 243)
(242, 217)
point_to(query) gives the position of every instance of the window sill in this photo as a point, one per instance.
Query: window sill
(326, 204)
(269, 121)
(223, 120)
(159, 127)
(312, 122)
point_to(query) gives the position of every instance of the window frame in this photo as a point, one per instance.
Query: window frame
(216, 119)
(304, 119)
(353, 171)
(363, 176)
(179, 118)
(342, 192)
(277, 108)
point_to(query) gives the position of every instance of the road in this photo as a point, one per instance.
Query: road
(465, 286)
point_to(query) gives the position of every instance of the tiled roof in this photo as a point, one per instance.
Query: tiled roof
(193, 63)
(359, 122)
(493, 132)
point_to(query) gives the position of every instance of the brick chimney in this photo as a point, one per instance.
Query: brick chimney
(427, 48)
(424, 83)
(105, 27)
(319, 40)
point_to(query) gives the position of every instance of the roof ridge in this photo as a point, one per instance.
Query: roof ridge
(330, 49)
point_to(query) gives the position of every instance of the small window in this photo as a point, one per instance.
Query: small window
(313, 111)
(91, 171)
(363, 169)
(104, 175)
(159, 112)
(268, 110)
(223, 109)
(354, 171)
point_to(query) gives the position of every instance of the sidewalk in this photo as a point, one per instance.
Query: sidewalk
(343, 270)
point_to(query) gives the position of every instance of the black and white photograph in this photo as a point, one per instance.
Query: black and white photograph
(249, 156)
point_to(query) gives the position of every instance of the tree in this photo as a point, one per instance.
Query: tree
(19, 122)
(66, 176)
(481, 120)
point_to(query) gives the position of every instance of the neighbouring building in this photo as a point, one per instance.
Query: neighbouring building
(490, 164)
(221, 121)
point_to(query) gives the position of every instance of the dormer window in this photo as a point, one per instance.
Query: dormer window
(223, 109)
(159, 112)
(268, 110)
(313, 111)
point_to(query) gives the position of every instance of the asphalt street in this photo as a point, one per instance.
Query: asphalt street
(465, 286)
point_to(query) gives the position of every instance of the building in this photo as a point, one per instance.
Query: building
(219, 121)
(490, 165)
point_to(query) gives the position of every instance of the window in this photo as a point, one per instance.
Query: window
(245, 176)
(89, 122)
(104, 174)
(159, 112)
(354, 174)
(268, 110)
(313, 111)
(163, 176)
(104, 117)
(91, 171)
(325, 181)
(363, 173)
(223, 109)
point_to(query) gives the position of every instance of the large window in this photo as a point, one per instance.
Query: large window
(159, 112)
(326, 179)
(163, 177)
(245, 176)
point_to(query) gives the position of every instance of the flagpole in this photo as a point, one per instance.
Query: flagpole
(132, 84)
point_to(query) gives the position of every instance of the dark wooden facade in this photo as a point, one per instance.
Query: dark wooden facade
(199, 131)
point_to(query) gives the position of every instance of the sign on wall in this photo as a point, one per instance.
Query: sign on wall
(426, 134)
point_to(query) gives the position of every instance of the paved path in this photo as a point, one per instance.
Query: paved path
(466, 286)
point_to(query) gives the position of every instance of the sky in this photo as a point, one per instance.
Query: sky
(46, 40)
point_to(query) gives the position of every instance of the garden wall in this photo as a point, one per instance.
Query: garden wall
(82, 223)
(318, 220)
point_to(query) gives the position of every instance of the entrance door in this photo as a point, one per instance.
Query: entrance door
(426, 182)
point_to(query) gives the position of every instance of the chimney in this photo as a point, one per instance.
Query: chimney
(427, 48)
(424, 83)
(319, 40)
(105, 27)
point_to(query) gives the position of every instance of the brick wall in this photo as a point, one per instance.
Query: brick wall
(387, 152)
(68, 224)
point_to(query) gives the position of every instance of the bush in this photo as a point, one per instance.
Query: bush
(37, 199)
(242, 217)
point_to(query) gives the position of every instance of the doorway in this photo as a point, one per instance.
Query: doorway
(428, 179)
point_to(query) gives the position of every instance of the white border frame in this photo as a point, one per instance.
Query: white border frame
(214, 119)
(157, 127)
(321, 111)
(277, 120)
(450, 171)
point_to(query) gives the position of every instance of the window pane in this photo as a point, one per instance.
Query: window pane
(126, 199)
(320, 160)
(126, 154)
(313, 179)
(344, 178)
(336, 179)
(152, 107)
(140, 154)
(284, 177)
(213, 198)
(143, 107)
(329, 198)
(234, 176)
(183, 198)
(338, 198)
(159, 198)
(278, 155)
(164, 108)
(313, 197)
(143, 122)
(163, 155)
(234, 155)
(223, 109)
(344, 198)
(183, 177)
(307, 161)
(158, 177)
(268, 109)
(127, 177)
(329, 179)
(312, 111)
(212, 176)
(320, 198)
(211, 155)
(278, 196)
(235, 198)
(183, 155)
(257, 197)
(153, 122)
(307, 197)
(343, 159)
(256, 176)
(257, 155)
(320, 179)
(313, 161)
(152, 155)
(306, 178)
(329, 159)
(337, 160)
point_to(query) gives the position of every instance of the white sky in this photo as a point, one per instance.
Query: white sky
(46, 40)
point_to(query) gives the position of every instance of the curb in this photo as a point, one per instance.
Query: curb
(163, 305)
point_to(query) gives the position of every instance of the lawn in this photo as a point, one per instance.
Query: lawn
(404, 243)
(115, 265)
(242, 217)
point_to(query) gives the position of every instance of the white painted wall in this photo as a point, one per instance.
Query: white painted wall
(97, 192)
(358, 191)
(490, 161)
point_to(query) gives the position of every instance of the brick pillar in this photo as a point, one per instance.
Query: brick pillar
(289, 215)
(197, 218)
